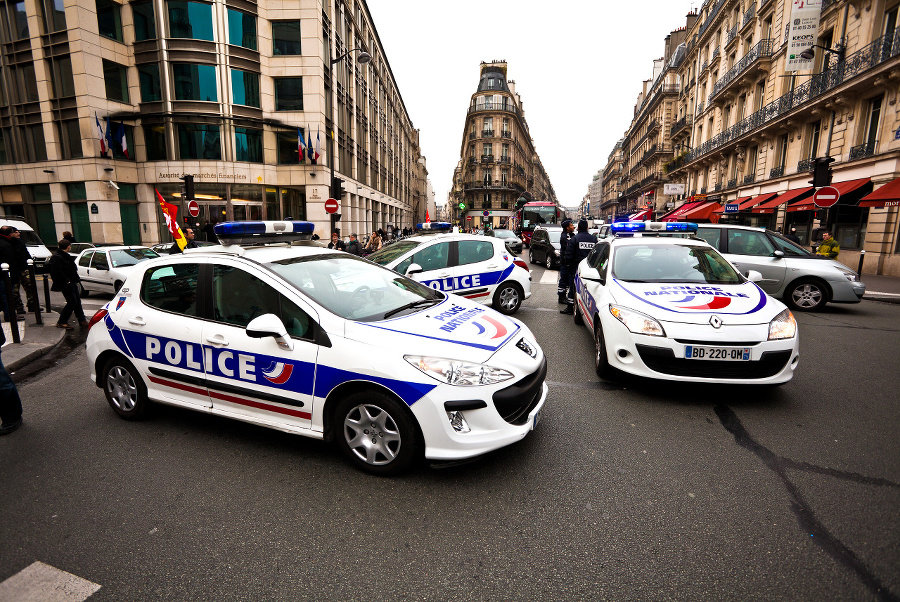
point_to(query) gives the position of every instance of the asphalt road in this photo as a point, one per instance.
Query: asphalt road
(627, 490)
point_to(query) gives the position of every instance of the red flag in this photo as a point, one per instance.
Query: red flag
(427, 220)
(170, 212)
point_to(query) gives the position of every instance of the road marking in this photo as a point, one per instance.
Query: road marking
(41, 582)
(549, 277)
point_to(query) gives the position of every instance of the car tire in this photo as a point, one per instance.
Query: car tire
(117, 286)
(507, 298)
(125, 389)
(576, 315)
(531, 256)
(83, 292)
(377, 434)
(601, 363)
(806, 294)
(548, 261)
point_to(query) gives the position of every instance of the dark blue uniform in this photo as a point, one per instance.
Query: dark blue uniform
(566, 274)
(579, 248)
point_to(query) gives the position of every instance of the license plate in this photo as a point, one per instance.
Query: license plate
(537, 418)
(720, 354)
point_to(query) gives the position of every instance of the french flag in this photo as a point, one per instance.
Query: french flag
(300, 144)
(100, 134)
(120, 134)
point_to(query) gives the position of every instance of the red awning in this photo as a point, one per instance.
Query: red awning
(700, 212)
(739, 202)
(640, 215)
(674, 214)
(844, 188)
(791, 195)
(886, 196)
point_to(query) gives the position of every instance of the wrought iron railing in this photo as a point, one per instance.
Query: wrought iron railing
(703, 190)
(506, 134)
(863, 150)
(715, 55)
(717, 187)
(826, 4)
(494, 106)
(712, 18)
(763, 48)
(749, 178)
(806, 165)
(731, 183)
(682, 123)
(699, 108)
(731, 35)
(487, 133)
(749, 14)
(776, 172)
(487, 158)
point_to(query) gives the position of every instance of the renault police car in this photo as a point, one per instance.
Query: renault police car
(320, 343)
(673, 308)
(475, 267)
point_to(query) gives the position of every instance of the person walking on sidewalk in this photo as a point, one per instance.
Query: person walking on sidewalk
(64, 274)
(10, 403)
(829, 246)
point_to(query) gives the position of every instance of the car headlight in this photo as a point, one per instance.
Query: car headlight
(849, 275)
(637, 322)
(458, 372)
(783, 326)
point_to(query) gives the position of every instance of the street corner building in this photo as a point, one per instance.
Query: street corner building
(102, 102)
(754, 105)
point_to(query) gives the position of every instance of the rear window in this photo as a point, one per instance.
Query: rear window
(30, 238)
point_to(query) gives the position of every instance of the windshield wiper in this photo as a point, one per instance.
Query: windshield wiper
(414, 304)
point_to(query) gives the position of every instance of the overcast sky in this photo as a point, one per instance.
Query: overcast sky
(578, 67)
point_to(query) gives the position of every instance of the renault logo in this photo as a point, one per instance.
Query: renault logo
(715, 322)
(524, 346)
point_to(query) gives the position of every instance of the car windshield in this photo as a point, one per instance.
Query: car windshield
(504, 234)
(125, 257)
(30, 238)
(672, 263)
(789, 247)
(391, 252)
(354, 288)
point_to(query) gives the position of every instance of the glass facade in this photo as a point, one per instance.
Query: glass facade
(248, 145)
(61, 75)
(150, 84)
(245, 88)
(109, 18)
(288, 93)
(54, 14)
(155, 141)
(241, 29)
(116, 80)
(195, 82)
(288, 151)
(70, 137)
(285, 38)
(144, 21)
(198, 141)
(190, 20)
(35, 147)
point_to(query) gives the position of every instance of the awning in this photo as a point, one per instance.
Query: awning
(791, 195)
(886, 196)
(850, 192)
(739, 202)
(674, 214)
(640, 215)
(700, 212)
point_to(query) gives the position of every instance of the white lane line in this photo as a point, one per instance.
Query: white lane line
(41, 582)
(549, 277)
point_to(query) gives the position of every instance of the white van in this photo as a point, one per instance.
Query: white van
(39, 252)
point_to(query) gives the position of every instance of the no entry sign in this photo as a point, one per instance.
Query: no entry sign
(194, 208)
(826, 196)
(331, 206)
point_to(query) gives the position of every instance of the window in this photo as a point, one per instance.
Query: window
(749, 242)
(432, 257)
(289, 94)
(473, 251)
(70, 139)
(148, 75)
(285, 38)
(782, 150)
(144, 21)
(172, 288)
(35, 147)
(155, 141)
(190, 20)
(759, 96)
(61, 76)
(54, 15)
(85, 259)
(245, 88)
(248, 145)
(873, 116)
(26, 83)
(814, 132)
(288, 147)
(116, 80)
(6, 155)
(241, 29)
(198, 141)
(751, 160)
(195, 82)
(118, 151)
(76, 191)
(238, 297)
(109, 19)
(487, 149)
(18, 21)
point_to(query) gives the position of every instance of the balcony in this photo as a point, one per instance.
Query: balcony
(652, 126)
(714, 57)
(717, 187)
(487, 158)
(508, 107)
(703, 190)
(863, 150)
(731, 36)
(506, 134)
(749, 178)
(732, 183)
(487, 133)
(806, 165)
(503, 160)
(749, 15)
(699, 108)
(760, 53)
(776, 172)
(680, 125)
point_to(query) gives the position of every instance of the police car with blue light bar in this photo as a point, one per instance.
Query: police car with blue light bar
(320, 343)
(475, 267)
(673, 308)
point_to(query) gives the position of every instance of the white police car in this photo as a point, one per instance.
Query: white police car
(675, 309)
(320, 343)
(475, 267)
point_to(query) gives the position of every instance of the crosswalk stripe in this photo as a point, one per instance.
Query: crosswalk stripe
(39, 582)
(549, 277)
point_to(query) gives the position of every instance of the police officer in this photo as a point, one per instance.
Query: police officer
(579, 248)
(565, 274)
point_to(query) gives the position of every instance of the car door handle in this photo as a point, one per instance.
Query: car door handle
(217, 340)
(137, 321)
(444, 275)
(493, 266)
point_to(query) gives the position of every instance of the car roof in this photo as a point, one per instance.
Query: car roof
(116, 247)
(733, 226)
(656, 241)
(442, 237)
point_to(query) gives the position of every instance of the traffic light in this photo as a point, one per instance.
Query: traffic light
(188, 186)
(336, 188)
(822, 172)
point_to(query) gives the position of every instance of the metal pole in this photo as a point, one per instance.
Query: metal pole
(46, 278)
(862, 256)
(10, 304)
(333, 144)
(34, 294)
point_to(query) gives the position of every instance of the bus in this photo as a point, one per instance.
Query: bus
(536, 213)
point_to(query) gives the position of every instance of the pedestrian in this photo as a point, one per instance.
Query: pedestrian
(829, 246)
(64, 274)
(6, 256)
(191, 243)
(10, 403)
(69, 236)
(579, 248)
(792, 236)
(374, 242)
(353, 246)
(336, 242)
(16, 258)
(210, 231)
(565, 274)
(20, 251)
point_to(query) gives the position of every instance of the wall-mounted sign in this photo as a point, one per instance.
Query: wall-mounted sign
(673, 189)
(803, 33)
(95, 209)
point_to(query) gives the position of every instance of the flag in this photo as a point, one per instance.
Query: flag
(109, 138)
(318, 152)
(309, 148)
(120, 134)
(170, 212)
(100, 134)
(427, 219)
(300, 144)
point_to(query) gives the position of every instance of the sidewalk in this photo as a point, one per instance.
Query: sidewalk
(36, 340)
(882, 288)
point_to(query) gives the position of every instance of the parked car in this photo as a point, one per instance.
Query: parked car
(806, 282)
(104, 269)
(544, 247)
(39, 252)
(163, 248)
(509, 237)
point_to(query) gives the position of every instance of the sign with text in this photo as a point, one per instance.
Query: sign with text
(731, 208)
(803, 33)
(673, 189)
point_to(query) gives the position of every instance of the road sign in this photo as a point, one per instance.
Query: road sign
(462, 205)
(485, 213)
(469, 218)
(194, 208)
(731, 208)
(826, 196)
(331, 206)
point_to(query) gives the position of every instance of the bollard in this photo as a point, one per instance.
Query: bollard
(10, 303)
(38, 319)
(862, 256)
(46, 278)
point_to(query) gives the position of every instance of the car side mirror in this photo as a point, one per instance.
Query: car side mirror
(754, 276)
(779, 254)
(414, 268)
(269, 325)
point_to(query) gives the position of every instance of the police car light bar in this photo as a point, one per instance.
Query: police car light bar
(634, 227)
(243, 233)
(436, 226)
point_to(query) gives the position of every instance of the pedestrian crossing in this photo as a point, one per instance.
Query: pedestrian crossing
(39, 582)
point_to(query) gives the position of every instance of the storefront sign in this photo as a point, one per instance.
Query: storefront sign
(803, 33)
(206, 176)
(673, 189)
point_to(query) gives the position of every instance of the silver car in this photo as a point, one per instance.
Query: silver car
(806, 282)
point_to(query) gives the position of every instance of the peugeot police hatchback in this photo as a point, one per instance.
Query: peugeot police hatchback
(320, 343)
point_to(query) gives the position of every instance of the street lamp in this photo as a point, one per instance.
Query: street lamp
(363, 58)
(809, 53)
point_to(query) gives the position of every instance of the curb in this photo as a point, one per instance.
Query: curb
(883, 297)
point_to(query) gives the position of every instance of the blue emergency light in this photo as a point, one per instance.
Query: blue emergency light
(242, 233)
(435, 226)
(636, 227)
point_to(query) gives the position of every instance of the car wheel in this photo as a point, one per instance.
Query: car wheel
(117, 286)
(548, 261)
(377, 434)
(531, 256)
(125, 389)
(576, 315)
(601, 364)
(507, 298)
(806, 294)
(83, 292)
